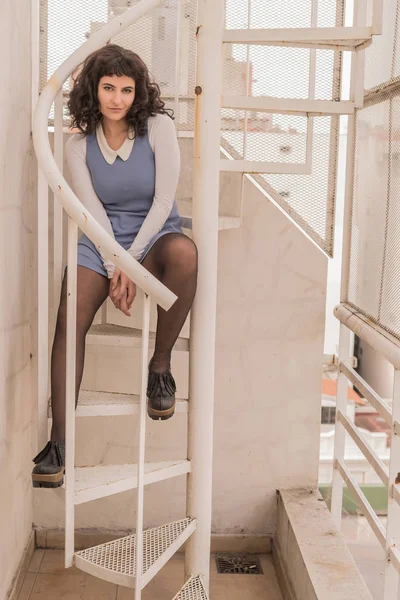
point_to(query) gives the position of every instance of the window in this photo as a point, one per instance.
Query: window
(328, 414)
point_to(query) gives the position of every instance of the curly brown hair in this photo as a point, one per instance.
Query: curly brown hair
(83, 103)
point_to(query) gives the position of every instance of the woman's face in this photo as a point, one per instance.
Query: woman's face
(116, 95)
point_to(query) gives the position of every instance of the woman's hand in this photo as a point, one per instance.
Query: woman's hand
(122, 291)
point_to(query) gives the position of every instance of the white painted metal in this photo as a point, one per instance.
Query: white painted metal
(68, 199)
(365, 506)
(128, 337)
(368, 452)
(57, 207)
(70, 383)
(377, 17)
(380, 340)
(116, 561)
(178, 60)
(35, 50)
(393, 514)
(297, 106)
(340, 434)
(253, 166)
(105, 480)
(373, 398)
(205, 235)
(348, 198)
(396, 492)
(108, 404)
(192, 590)
(350, 37)
(358, 59)
(43, 306)
(141, 453)
(224, 222)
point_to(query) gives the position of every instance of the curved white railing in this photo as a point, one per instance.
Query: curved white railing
(76, 210)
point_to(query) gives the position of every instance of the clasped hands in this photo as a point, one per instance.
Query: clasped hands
(122, 291)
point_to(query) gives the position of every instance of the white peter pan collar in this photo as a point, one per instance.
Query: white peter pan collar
(108, 153)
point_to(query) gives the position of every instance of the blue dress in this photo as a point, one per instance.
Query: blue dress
(126, 189)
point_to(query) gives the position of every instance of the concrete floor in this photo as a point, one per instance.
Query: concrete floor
(46, 579)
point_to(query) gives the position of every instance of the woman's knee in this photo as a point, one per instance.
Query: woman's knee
(181, 252)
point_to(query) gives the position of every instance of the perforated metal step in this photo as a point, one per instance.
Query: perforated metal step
(116, 335)
(100, 481)
(115, 561)
(108, 404)
(192, 590)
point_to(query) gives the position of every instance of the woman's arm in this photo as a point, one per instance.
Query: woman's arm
(75, 150)
(167, 162)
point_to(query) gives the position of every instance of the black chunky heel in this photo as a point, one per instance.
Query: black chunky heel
(50, 466)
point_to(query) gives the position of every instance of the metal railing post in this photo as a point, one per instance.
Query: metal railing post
(205, 234)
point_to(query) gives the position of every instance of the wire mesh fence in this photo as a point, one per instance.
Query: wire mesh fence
(374, 266)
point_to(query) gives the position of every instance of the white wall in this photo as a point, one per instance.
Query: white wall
(16, 297)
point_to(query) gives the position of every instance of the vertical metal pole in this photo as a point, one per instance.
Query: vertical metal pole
(179, 9)
(57, 207)
(142, 442)
(42, 248)
(70, 393)
(311, 88)
(358, 58)
(393, 515)
(210, 23)
(340, 432)
(43, 305)
(246, 112)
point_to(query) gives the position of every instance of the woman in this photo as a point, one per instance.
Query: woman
(125, 167)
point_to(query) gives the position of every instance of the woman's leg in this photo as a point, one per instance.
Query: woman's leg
(92, 290)
(173, 260)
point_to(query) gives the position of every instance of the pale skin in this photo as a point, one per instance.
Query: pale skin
(116, 95)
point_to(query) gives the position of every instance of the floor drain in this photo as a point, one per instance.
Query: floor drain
(235, 563)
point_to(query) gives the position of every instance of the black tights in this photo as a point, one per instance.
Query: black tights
(173, 260)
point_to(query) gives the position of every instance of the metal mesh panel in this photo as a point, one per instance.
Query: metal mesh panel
(120, 555)
(192, 590)
(375, 226)
(382, 60)
(257, 14)
(284, 72)
(310, 198)
(65, 27)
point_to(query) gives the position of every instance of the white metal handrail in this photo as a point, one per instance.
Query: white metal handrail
(76, 210)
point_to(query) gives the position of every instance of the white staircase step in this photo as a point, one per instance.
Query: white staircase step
(113, 316)
(295, 106)
(116, 335)
(117, 368)
(115, 561)
(192, 590)
(342, 38)
(224, 222)
(100, 481)
(108, 404)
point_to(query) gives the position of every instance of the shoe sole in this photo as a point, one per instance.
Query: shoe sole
(50, 481)
(160, 415)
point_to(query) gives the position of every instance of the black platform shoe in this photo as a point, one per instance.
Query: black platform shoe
(161, 390)
(50, 466)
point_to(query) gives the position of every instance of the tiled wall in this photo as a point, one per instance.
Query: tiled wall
(17, 297)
